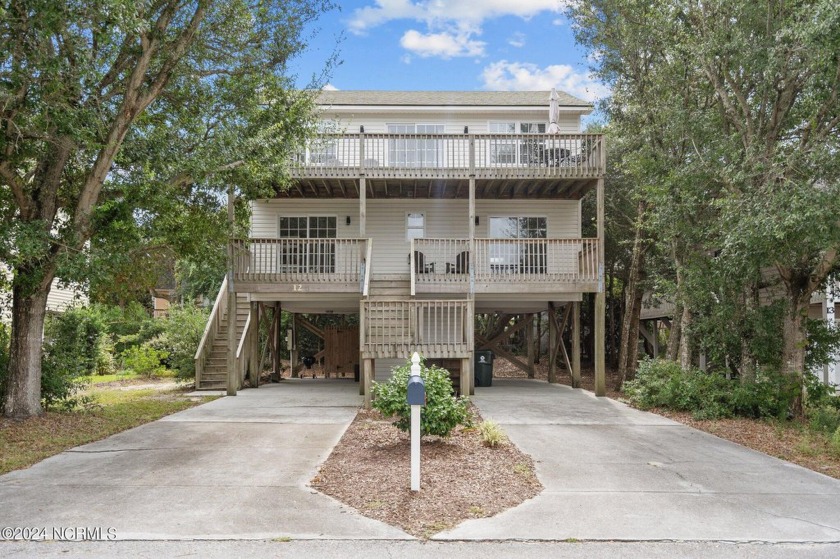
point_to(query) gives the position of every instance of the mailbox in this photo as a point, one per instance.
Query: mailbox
(416, 395)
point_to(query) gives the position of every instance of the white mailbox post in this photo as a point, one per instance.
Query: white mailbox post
(416, 396)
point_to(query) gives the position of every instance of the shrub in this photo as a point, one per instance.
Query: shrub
(182, 331)
(824, 419)
(74, 341)
(442, 412)
(835, 442)
(144, 360)
(491, 434)
(661, 383)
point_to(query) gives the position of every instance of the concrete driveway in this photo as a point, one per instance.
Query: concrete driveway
(235, 468)
(614, 473)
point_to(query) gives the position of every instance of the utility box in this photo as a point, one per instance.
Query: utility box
(483, 368)
(416, 394)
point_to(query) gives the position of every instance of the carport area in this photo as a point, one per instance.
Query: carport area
(235, 468)
(615, 473)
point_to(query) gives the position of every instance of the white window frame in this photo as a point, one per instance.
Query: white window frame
(415, 147)
(409, 228)
(520, 148)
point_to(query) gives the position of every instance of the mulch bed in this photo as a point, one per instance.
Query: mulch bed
(461, 478)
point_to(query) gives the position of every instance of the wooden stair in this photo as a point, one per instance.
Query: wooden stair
(214, 376)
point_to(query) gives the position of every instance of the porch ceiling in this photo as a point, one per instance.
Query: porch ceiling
(496, 189)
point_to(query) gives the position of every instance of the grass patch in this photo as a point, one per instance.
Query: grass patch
(103, 379)
(23, 443)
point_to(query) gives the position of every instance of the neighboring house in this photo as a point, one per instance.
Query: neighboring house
(417, 210)
(59, 299)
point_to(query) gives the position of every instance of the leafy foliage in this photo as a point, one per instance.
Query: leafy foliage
(442, 412)
(182, 331)
(662, 383)
(144, 360)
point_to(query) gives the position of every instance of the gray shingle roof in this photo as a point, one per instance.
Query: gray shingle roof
(447, 98)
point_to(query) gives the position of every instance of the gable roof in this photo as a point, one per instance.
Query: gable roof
(446, 98)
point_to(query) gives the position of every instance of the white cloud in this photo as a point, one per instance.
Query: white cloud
(451, 25)
(517, 40)
(443, 45)
(523, 76)
(558, 21)
(329, 87)
(465, 13)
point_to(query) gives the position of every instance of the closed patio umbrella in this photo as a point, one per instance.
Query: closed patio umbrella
(553, 112)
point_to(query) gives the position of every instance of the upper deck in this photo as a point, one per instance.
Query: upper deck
(440, 165)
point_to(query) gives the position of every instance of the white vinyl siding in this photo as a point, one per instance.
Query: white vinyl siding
(386, 221)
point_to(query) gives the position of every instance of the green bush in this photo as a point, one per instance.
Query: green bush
(442, 412)
(835, 442)
(182, 331)
(144, 360)
(661, 383)
(824, 419)
(74, 341)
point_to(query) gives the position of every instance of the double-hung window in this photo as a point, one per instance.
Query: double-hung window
(298, 252)
(414, 150)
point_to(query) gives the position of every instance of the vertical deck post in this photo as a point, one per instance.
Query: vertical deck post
(278, 336)
(255, 343)
(552, 343)
(367, 380)
(576, 344)
(232, 374)
(363, 209)
(529, 341)
(600, 299)
(293, 349)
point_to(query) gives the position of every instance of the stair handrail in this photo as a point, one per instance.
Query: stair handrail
(368, 267)
(244, 336)
(210, 330)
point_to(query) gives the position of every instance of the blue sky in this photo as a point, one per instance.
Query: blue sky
(451, 45)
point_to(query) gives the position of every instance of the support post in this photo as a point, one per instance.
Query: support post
(232, 374)
(363, 209)
(254, 346)
(278, 336)
(600, 297)
(552, 343)
(576, 344)
(654, 331)
(416, 395)
(367, 380)
(471, 338)
(293, 351)
(529, 341)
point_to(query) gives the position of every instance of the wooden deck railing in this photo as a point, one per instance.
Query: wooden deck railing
(529, 261)
(435, 328)
(490, 156)
(211, 330)
(300, 261)
(442, 263)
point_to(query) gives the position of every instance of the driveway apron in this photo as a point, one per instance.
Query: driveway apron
(615, 473)
(234, 468)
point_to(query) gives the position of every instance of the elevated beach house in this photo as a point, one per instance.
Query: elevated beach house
(416, 210)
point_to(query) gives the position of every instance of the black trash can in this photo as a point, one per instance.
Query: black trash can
(484, 368)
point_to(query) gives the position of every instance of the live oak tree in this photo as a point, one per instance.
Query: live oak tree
(119, 114)
(749, 91)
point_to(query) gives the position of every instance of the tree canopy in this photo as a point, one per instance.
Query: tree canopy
(119, 118)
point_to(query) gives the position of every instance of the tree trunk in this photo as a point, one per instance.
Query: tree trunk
(674, 335)
(749, 303)
(628, 350)
(794, 343)
(685, 338)
(23, 389)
